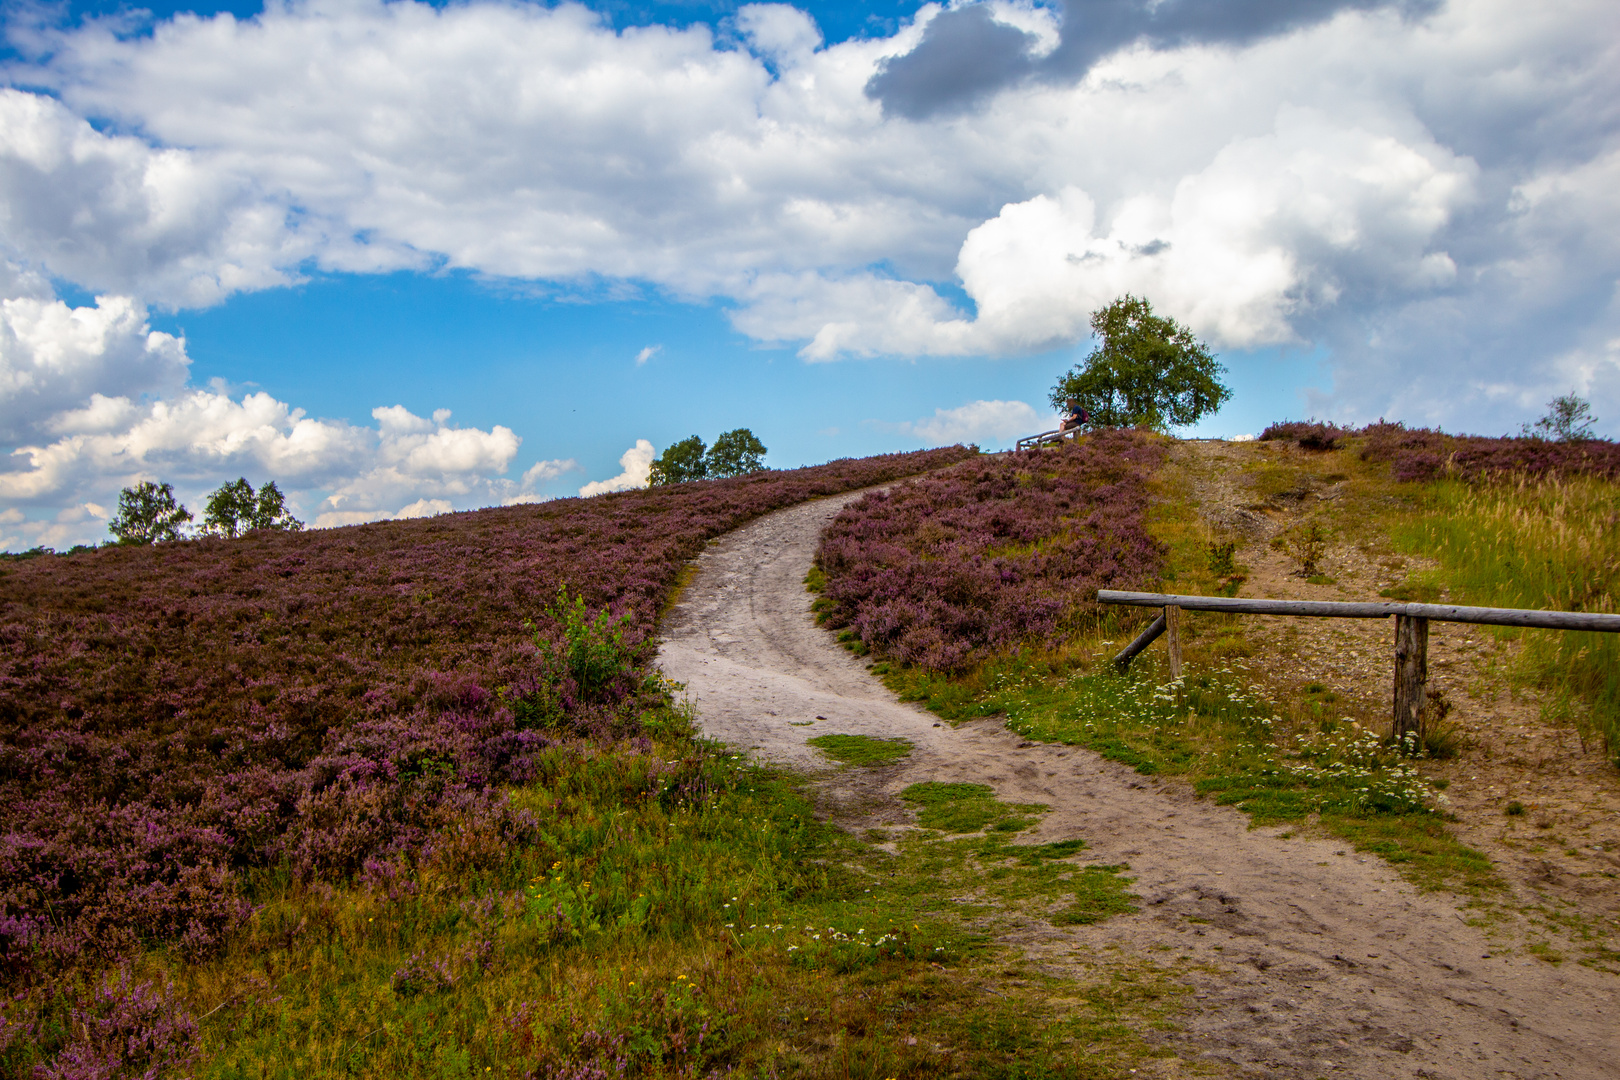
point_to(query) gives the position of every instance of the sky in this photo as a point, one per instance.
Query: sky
(404, 258)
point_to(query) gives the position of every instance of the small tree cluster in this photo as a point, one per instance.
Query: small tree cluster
(734, 453)
(148, 513)
(235, 508)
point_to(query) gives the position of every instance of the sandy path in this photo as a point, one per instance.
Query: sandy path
(1307, 959)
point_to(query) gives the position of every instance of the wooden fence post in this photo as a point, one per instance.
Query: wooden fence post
(1172, 639)
(1411, 672)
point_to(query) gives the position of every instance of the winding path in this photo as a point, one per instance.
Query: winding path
(1307, 958)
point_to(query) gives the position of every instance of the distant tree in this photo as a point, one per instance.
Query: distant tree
(1146, 369)
(148, 514)
(1568, 419)
(235, 508)
(679, 463)
(735, 453)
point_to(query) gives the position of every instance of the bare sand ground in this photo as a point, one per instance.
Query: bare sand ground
(1307, 960)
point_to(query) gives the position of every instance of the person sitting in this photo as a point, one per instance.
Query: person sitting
(1075, 418)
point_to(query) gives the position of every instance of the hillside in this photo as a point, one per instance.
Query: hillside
(413, 799)
(1516, 801)
(188, 731)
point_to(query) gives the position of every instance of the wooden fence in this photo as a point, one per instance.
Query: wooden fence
(1047, 437)
(1411, 632)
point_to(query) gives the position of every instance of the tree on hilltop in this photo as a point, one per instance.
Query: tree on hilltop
(148, 514)
(235, 508)
(735, 453)
(679, 463)
(1146, 369)
(1568, 419)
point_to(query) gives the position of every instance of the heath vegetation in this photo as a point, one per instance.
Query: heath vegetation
(193, 729)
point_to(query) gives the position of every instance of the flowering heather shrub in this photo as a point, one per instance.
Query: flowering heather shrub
(124, 1033)
(947, 569)
(327, 701)
(1422, 454)
(1308, 434)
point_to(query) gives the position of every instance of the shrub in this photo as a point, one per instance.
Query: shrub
(1567, 418)
(945, 570)
(1419, 454)
(1307, 434)
(124, 1032)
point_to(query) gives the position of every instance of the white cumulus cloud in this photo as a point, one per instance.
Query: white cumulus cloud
(537, 476)
(112, 212)
(637, 465)
(1424, 194)
(95, 400)
(53, 358)
(979, 421)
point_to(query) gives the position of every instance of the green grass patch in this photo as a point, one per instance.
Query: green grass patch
(967, 808)
(668, 911)
(1035, 880)
(1215, 732)
(1425, 851)
(861, 749)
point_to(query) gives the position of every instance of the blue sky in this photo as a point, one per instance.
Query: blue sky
(564, 374)
(405, 259)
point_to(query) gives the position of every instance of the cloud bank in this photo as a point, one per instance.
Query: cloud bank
(637, 465)
(1425, 193)
(980, 422)
(75, 446)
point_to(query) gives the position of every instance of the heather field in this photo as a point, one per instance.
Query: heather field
(192, 727)
(955, 568)
(1421, 454)
(411, 800)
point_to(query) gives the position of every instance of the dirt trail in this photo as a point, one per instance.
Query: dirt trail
(1307, 960)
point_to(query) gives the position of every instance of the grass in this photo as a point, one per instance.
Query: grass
(861, 749)
(676, 911)
(967, 808)
(1539, 544)
(1213, 731)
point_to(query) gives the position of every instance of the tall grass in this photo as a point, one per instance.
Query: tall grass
(1536, 543)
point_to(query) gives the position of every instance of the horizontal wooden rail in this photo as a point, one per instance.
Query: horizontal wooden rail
(1045, 437)
(1411, 634)
(1334, 609)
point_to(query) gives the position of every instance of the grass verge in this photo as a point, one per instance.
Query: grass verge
(1210, 730)
(674, 911)
(1548, 543)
